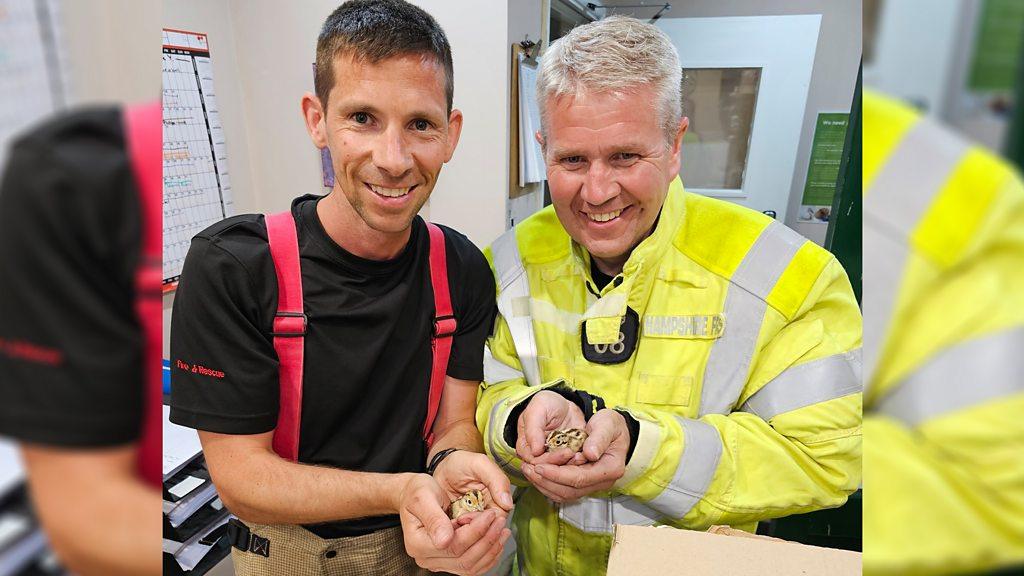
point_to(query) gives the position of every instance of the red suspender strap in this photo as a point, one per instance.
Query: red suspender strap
(143, 138)
(289, 331)
(444, 327)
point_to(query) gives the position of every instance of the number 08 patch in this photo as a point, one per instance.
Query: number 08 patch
(618, 351)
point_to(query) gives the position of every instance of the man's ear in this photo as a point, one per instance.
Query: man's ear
(677, 144)
(540, 140)
(313, 114)
(454, 132)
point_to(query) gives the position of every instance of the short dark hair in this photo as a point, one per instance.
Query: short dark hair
(375, 30)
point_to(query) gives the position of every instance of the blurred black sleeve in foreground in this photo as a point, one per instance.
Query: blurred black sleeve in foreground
(70, 346)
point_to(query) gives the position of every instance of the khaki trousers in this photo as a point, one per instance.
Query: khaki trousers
(297, 551)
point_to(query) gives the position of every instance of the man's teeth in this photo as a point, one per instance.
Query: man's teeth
(605, 216)
(390, 192)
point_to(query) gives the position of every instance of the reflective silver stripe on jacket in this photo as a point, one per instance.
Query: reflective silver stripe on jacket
(514, 302)
(968, 374)
(497, 371)
(600, 515)
(729, 362)
(702, 449)
(495, 442)
(808, 383)
(898, 198)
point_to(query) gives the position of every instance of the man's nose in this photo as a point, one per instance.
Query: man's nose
(599, 184)
(391, 154)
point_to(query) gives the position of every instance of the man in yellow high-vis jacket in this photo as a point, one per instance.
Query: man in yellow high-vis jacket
(944, 333)
(711, 354)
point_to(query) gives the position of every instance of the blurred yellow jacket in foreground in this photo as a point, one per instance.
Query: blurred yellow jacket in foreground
(943, 349)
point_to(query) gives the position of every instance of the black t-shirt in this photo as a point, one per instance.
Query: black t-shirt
(600, 278)
(367, 347)
(70, 343)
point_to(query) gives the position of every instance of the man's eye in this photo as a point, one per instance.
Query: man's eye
(626, 156)
(361, 117)
(421, 125)
(572, 159)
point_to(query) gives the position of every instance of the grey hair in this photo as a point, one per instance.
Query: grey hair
(617, 54)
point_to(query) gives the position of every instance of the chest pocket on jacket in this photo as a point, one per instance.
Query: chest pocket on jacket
(665, 389)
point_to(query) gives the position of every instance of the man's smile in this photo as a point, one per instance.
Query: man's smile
(390, 192)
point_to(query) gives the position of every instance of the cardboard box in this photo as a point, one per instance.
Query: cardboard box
(648, 550)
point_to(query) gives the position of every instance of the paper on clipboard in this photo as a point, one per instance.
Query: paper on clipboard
(11, 473)
(531, 160)
(180, 445)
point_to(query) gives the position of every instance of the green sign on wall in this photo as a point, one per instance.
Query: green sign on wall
(997, 46)
(823, 169)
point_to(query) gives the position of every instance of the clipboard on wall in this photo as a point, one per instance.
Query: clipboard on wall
(513, 139)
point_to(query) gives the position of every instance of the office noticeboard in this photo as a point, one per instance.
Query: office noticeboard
(823, 168)
(997, 46)
(197, 186)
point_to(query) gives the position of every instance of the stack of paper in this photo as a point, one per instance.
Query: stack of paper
(187, 491)
(11, 474)
(194, 517)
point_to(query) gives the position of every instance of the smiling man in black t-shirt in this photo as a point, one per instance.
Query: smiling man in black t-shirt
(383, 106)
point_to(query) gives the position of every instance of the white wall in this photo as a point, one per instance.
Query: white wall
(263, 52)
(112, 49)
(914, 51)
